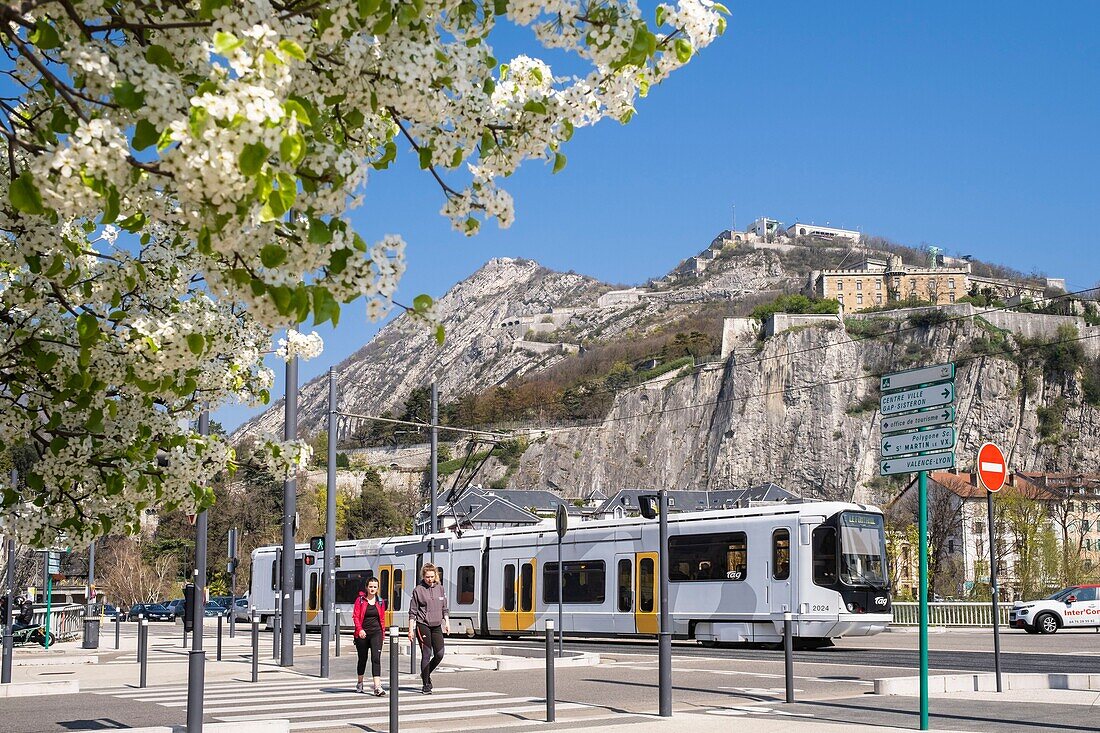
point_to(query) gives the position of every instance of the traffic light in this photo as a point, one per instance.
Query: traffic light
(649, 505)
(317, 544)
(308, 559)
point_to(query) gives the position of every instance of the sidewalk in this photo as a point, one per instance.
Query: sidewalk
(724, 720)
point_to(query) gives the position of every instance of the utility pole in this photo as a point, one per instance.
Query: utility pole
(9, 645)
(664, 649)
(435, 460)
(328, 592)
(290, 500)
(196, 660)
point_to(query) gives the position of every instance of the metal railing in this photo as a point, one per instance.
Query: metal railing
(66, 622)
(949, 613)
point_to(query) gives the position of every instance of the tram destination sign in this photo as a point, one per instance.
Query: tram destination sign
(922, 442)
(916, 420)
(911, 464)
(917, 377)
(917, 399)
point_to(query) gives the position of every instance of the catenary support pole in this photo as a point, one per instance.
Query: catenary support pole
(922, 529)
(255, 648)
(561, 573)
(328, 581)
(664, 650)
(91, 637)
(196, 659)
(434, 487)
(788, 656)
(231, 552)
(395, 679)
(550, 693)
(993, 591)
(290, 503)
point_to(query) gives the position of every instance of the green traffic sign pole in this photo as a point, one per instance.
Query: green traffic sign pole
(49, 599)
(922, 486)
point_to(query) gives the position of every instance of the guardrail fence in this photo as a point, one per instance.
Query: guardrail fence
(949, 613)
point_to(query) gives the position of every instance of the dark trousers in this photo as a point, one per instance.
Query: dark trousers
(431, 640)
(371, 645)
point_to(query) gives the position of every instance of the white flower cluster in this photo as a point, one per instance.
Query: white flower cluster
(284, 458)
(300, 345)
(179, 185)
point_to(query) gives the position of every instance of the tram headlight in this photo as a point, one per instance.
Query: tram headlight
(851, 607)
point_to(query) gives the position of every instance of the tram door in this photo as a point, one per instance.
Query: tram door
(509, 597)
(780, 572)
(517, 603)
(385, 590)
(313, 604)
(645, 593)
(624, 595)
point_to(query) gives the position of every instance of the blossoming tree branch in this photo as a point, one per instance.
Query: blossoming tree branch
(177, 179)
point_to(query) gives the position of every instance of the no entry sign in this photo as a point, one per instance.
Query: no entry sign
(992, 467)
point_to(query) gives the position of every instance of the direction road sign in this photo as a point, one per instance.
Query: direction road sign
(992, 467)
(917, 377)
(914, 420)
(928, 440)
(917, 399)
(910, 464)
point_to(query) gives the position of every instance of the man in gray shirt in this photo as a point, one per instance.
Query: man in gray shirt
(428, 622)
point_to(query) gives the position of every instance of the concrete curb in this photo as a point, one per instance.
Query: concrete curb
(251, 726)
(34, 689)
(45, 661)
(942, 684)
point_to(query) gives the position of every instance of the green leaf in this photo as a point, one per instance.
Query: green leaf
(559, 162)
(325, 307)
(272, 255)
(566, 130)
(302, 109)
(24, 195)
(292, 148)
(500, 7)
(535, 106)
(683, 50)
(440, 334)
(95, 421)
(135, 222)
(196, 343)
(225, 43)
(160, 56)
(110, 205)
(44, 35)
(87, 329)
(288, 189)
(339, 261)
(252, 158)
(368, 8)
(721, 8)
(319, 232)
(292, 49)
(422, 303)
(282, 295)
(660, 15)
(145, 134)
(128, 97)
(382, 25)
(425, 154)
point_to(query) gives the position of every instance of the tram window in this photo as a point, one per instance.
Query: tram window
(781, 554)
(313, 590)
(583, 582)
(646, 584)
(824, 549)
(466, 585)
(527, 587)
(384, 586)
(626, 590)
(721, 556)
(349, 583)
(398, 586)
(274, 575)
(509, 588)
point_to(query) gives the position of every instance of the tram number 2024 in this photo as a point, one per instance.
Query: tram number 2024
(821, 608)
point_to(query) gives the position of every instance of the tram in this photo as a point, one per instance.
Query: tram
(732, 574)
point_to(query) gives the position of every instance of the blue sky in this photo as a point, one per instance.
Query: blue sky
(972, 126)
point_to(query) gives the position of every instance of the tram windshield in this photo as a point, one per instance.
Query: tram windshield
(863, 549)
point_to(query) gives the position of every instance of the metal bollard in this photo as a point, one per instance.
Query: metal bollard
(337, 633)
(185, 633)
(255, 648)
(395, 678)
(412, 655)
(219, 652)
(275, 637)
(118, 627)
(788, 657)
(143, 635)
(302, 623)
(550, 695)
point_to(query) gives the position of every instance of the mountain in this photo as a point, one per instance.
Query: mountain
(796, 408)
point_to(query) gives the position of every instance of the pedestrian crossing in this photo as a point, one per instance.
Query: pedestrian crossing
(312, 704)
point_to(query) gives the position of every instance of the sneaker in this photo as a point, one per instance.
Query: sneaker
(379, 692)
(427, 690)
(359, 687)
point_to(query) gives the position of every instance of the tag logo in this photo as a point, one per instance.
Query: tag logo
(880, 600)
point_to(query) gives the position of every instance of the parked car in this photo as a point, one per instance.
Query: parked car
(175, 606)
(151, 611)
(213, 610)
(109, 611)
(241, 612)
(1075, 607)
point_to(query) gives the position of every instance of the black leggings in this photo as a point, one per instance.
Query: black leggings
(431, 640)
(373, 644)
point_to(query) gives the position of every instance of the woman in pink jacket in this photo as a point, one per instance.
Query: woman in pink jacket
(369, 615)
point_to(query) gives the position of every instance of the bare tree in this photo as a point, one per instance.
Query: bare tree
(127, 577)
